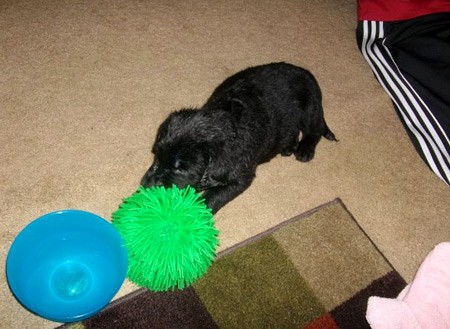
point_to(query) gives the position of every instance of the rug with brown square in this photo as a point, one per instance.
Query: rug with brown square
(315, 270)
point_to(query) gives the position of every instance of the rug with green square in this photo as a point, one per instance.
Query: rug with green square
(315, 270)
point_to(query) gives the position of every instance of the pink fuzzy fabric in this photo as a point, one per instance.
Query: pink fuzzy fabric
(424, 304)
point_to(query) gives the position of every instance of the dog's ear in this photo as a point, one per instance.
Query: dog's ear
(236, 108)
(216, 172)
(211, 176)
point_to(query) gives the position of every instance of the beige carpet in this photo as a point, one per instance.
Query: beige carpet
(85, 84)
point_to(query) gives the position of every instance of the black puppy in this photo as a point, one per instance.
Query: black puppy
(249, 119)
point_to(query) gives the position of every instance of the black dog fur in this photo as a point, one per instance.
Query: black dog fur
(249, 119)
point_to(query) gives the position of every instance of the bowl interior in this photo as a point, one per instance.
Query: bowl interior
(67, 265)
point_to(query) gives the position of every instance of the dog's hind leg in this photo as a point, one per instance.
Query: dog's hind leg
(306, 147)
(313, 128)
(290, 147)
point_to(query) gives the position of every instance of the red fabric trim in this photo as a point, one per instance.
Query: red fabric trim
(396, 10)
(324, 322)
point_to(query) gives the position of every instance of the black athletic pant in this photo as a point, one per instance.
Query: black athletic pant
(411, 60)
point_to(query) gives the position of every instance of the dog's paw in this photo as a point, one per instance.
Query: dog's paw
(286, 153)
(289, 148)
(304, 154)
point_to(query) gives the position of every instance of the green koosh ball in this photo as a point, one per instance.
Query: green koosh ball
(170, 237)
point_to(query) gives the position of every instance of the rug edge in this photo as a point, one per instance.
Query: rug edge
(252, 239)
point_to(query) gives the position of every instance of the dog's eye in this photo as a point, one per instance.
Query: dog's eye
(176, 161)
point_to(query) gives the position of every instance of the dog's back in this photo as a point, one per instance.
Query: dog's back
(274, 103)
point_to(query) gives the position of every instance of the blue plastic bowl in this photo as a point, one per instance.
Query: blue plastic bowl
(67, 265)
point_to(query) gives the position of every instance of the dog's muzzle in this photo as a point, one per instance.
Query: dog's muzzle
(151, 178)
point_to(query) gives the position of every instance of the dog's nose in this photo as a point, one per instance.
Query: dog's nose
(148, 181)
(145, 181)
(151, 178)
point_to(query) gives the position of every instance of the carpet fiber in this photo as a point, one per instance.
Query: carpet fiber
(314, 271)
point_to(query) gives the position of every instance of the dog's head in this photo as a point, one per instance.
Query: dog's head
(185, 145)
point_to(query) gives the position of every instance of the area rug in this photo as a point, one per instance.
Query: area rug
(316, 270)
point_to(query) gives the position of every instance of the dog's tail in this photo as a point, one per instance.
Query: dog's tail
(328, 134)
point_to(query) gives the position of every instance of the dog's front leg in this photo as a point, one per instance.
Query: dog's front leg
(217, 197)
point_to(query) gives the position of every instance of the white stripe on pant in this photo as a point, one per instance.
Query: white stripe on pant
(415, 113)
